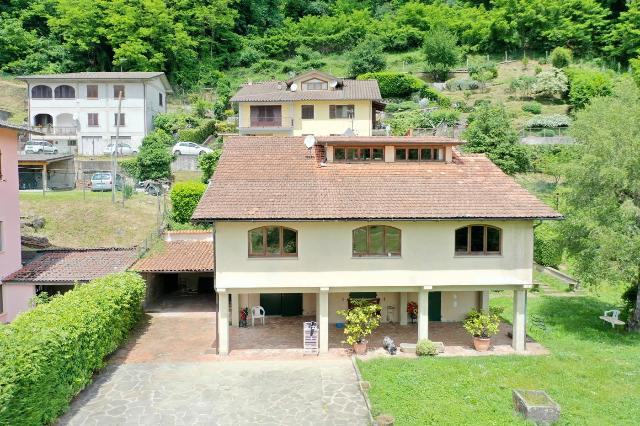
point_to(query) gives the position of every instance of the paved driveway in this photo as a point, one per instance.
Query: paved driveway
(183, 386)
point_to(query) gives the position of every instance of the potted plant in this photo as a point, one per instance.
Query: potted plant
(412, 310)
(482, 325)
(360, 321)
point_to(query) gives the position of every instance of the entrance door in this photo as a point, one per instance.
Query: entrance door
(435, 306)
(285, 304)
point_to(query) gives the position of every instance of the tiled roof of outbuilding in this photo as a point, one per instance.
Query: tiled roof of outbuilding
(276, 178)
(179, 256)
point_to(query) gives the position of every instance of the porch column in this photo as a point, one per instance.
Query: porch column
(519, 317)
(403, 308)
(323, 305)
(223, 321)
(484, 301)
(235, 309)
(44, 177)
(423, 314)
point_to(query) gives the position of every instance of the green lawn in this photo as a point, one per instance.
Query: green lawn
(593, 373)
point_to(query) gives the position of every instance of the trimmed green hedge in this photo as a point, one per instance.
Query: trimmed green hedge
(547, 245)
(49, 354)
(184, 199)
(394, 84)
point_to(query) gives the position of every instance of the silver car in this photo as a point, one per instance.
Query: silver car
(103, 181)
(123, 149)
(40, 147)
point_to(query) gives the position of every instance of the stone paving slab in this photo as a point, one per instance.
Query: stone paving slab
(313, 392)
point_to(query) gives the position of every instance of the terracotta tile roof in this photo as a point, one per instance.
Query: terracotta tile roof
(102, 75)
(274, 178)
(387, 140)
(179, 256)
(19, 127)
(278, 91)
(71, 265)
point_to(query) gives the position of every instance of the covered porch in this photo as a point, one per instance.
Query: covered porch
(286, 332)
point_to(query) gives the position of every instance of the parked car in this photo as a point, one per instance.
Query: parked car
(123, 149)
(189, 148)
(152, 188)
(40, 147)
(103, 181)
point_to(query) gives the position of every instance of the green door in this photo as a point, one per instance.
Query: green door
(272, 303)
(435, 306)
(291, 304)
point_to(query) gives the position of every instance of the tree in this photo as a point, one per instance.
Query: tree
(154, 159)
(490, 132)
(625, 35)
(561, 57)
(587, 83)
(184, 199)
(550, 83)
(367, 57)
(602, 227)
(441, 52)
(208, 163)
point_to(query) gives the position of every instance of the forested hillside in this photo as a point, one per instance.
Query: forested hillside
(195, 40)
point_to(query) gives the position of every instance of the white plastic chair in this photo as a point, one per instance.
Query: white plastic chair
(257, 312)
(612, 317)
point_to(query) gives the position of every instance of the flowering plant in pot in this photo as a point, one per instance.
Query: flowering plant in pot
(360, 321)
(482, 325)
(412, 310)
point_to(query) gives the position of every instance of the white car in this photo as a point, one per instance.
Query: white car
(123, 149)
(189, 148)
(40, 147)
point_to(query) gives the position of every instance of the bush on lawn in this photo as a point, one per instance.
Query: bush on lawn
(561, 57)
(547, 245)
(184, 199)
(426, 347)
(394, 84)
(49, 354)
(532, 107)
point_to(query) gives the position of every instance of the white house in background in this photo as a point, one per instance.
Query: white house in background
(78, 111)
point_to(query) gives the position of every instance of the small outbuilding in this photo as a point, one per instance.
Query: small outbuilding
(48, 171)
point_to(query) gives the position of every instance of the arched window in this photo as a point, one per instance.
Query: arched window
(273, 241)
(376, 240)
(478, 239)
(65, 92)
(41, 92)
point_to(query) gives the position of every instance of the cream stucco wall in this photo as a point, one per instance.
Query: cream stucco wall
(325, 259)
(320, 125)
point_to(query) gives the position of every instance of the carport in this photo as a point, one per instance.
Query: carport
(46, 171)
(179, 274)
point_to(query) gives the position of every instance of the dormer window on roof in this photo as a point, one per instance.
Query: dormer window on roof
(362, 153)
(315, 84)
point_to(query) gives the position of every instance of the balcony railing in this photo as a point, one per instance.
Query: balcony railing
(271, 122)
(57, 130)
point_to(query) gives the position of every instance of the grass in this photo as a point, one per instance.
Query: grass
(593, 372)
(12, 98)
(77, 219)
(186, 175)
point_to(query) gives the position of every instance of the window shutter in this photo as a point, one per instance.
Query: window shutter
(332, 111)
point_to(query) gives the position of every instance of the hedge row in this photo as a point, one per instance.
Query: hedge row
(49, 354)
(184, 199)
(547, 245)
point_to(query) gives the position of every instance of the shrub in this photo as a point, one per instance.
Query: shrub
(49, 354)
(587, 83)
(367, 57)
(550, 83)
(522, 85)
(532, 107)
(482, 324)
(154, 159)
(184, 199)
(629, 298)
(200, 133)
(479, 64)
(455, 84)
(547, 246)
(360, 321)
(208, 163)
(426, 347)
(634, 66)
(401, 122)
(561, 57)
(394, 84)
(402, 106)
(550, 121)
(441, 52)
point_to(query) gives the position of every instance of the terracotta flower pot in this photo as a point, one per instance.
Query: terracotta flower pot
(360, 348)
(481, 344)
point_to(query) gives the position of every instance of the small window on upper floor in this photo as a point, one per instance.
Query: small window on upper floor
(308, 112)
(160, 99)
(92, 91)
(65, 92)
(376, 240)
(368, 153)
(478, 240)
(341, 111)
(41, 92)
(419, 154)
(120, 122)
(273, 241)
(118, 90)
(315, 84)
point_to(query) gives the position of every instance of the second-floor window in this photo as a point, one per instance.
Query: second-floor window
(376, 240)
(308, 112)
(41, 92)
(118, 121)
(118, 90)
(478, 240)
(273, 241)
(368, 153)
(92, 91)
(160, 100)
(341, 111)
(64, 92)
(266, 115)
(92, 119)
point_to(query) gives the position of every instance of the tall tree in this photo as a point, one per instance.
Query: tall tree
(441, 52)
(602, 230)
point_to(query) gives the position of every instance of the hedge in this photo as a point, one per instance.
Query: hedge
(184, 199)
(49, 354)
(547, 246)
(394, 84)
